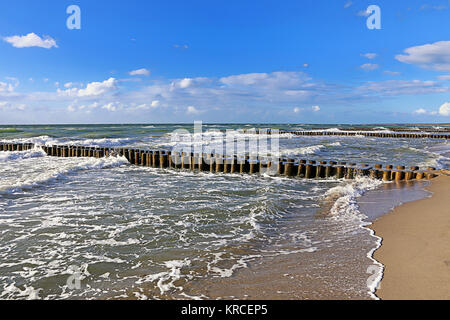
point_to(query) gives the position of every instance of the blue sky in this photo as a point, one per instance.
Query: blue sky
(235, 61)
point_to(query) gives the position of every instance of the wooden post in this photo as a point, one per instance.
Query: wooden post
(301, 168)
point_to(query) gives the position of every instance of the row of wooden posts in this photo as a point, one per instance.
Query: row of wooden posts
(218, 163)
(351, 134)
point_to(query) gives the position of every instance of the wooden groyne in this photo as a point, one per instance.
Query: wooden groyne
(245, 164)
(352, 134)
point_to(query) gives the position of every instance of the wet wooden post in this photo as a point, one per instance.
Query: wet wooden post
(136, 159)
(376, 172)
(155, 158)
(330, 169)
(244, 166)
(185, 161)
(411, 174)
(363, 170)
(219, 163)
(350, 171)
(212, 164)
(253, 166)
(430, 175)
(148, 159)
(233, 165)
(175, 159)
(340, 170)
(227, 165)
(420, 175)
(125, 154)
(202, 165)
(399, 173)
(288, 168)
(163, 160)
(320, 169)
(301, 168)
(387, 173)
(309, 172)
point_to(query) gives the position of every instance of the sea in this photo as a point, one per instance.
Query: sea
(88, 228)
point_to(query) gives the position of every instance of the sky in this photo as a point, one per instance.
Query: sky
(301, 61)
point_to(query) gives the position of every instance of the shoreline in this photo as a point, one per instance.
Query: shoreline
(415, 246)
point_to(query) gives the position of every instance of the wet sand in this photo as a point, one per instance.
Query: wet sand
(416, 246)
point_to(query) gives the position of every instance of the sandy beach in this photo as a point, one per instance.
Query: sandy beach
(416, 246)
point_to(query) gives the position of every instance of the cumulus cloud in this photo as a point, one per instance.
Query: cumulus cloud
(31, 40)
(434, 56)
(316, 108)
(139, 72)
(92, 89)
(444, 110)
(297, 110)
(369, 55)
(369, 66)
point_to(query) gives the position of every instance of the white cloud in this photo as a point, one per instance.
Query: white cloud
(110, 106)
(7, 105)
(31, 40)
(446, 77)
(139, 72)
(369, 67)
(68, 85)
(186, 83)
(369, 55)
(401, 87)
(348, 4)
(274, 80)
(155, 103)
(444, 110)
(420, 111)
(297, 110)
(92, 89)
(193, 110)
(434, 56)
(316, 108)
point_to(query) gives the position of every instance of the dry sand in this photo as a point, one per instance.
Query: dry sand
(416, 247)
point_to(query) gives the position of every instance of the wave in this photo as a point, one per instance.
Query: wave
(19, 155)
(61, 170)
(346, 209)
(100, 142)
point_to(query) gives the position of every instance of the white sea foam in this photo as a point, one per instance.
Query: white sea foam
(346, 209)
(57, 170)
(19, 155)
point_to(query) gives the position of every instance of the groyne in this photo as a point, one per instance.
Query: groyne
(243, 164)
